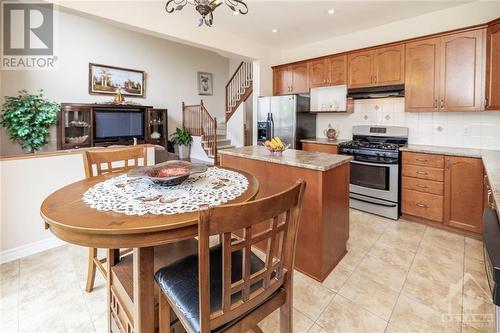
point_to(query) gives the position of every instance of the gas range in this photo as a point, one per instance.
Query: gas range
(374, 183)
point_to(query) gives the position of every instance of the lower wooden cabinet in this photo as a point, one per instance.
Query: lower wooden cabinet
(464, 193)
(451, 194)
(319, 147)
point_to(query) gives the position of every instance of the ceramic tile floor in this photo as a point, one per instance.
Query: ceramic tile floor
(397, 277)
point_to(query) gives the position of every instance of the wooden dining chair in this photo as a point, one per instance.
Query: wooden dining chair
(227, 288)
(98, 162)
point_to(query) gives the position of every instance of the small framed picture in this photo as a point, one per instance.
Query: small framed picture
(205, 83)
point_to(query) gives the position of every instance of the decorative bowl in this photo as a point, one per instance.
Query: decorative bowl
(168, 173)
(76, 139)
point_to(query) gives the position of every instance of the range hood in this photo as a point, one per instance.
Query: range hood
(377, 92)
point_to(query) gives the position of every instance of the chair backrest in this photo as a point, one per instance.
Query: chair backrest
(113, 160)
(282, 213)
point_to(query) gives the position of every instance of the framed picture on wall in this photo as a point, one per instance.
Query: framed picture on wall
(106, 80)
(205, 83)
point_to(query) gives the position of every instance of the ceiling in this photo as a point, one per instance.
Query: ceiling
(303, 22)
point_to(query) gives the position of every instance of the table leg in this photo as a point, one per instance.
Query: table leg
(143, 272)
(113, 256)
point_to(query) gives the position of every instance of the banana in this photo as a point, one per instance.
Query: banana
(279, 141)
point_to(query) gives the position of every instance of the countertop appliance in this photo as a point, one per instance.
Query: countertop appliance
(375, 169)
(285, 116)
(491, 243)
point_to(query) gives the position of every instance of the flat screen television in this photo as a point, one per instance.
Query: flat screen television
(114, 125)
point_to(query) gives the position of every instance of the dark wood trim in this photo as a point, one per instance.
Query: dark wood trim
(242, 99)
(234, 74)
(143, 73)
(414, 39)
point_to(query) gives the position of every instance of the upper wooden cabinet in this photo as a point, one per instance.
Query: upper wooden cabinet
(282, 80)
(422, 75)
(300, 78)
(389, 65)
(377, 67)
(446, 73)
(462, 70)
(360, 69)
(328, 71)
(463, 200)
(291, 79)
(493, 66)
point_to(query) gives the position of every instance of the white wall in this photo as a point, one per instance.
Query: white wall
(171, 70)
(25, 183)
(235, 130)
(454, 129)
(476, 12)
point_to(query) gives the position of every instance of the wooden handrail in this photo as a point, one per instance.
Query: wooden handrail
(239, 87)
(234, 74)
(199, 122)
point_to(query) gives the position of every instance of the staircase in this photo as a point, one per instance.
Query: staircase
(239, 87)
(198, 121)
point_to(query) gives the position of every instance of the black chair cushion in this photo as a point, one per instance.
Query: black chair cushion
(179, 281)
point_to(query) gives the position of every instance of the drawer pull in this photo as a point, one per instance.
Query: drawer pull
(421, 160)
(422, 186)
(422, 173)
(422, 205)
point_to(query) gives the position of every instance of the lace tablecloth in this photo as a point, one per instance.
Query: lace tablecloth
(139, 196)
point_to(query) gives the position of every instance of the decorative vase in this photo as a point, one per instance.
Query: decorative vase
(182, 151)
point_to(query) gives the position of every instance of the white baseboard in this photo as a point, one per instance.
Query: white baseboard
(29, 249)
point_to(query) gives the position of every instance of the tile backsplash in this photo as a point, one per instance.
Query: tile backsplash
(453, 129)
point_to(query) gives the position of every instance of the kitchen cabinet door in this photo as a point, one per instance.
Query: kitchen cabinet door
(360, 69)
(338, 70)
(464, 193)
(300, 78)
(389, 66)
(493, 67)
(319, 73)
(422, 75)
(282, 81)
(462, 81)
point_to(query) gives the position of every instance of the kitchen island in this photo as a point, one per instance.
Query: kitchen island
(324, 226)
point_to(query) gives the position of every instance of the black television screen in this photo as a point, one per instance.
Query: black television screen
(109, 124)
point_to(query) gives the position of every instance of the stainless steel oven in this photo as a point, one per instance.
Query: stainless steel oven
(374, 183)
(374, 188)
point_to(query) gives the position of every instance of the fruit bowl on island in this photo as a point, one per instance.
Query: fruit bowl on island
(276, 146)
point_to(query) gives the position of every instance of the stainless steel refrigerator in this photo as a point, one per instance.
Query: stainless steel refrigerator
(291, 119)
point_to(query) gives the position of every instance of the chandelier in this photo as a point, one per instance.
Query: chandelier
(206, 8)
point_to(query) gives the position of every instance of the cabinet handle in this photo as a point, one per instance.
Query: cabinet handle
(486, 102)
(375, 79)
(421, 186)
(422, 173)
(422, 205)
(442, 103)
(435, 103)
(421, 160)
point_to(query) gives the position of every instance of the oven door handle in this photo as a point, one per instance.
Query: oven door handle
(374, 203)
(374, 164)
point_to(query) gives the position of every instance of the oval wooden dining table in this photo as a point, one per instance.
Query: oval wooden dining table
(72, 220)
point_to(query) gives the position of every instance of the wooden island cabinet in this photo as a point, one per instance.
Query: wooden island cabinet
(324, 226)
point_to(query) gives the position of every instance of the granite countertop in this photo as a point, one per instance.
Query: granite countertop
(324, 141)
(451, 151)
(491, 162)
(296, 158)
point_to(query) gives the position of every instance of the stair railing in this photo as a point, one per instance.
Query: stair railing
(239, 87)
(197, 120)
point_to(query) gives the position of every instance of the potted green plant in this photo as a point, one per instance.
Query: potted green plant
(182, 141)
(27, 119)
